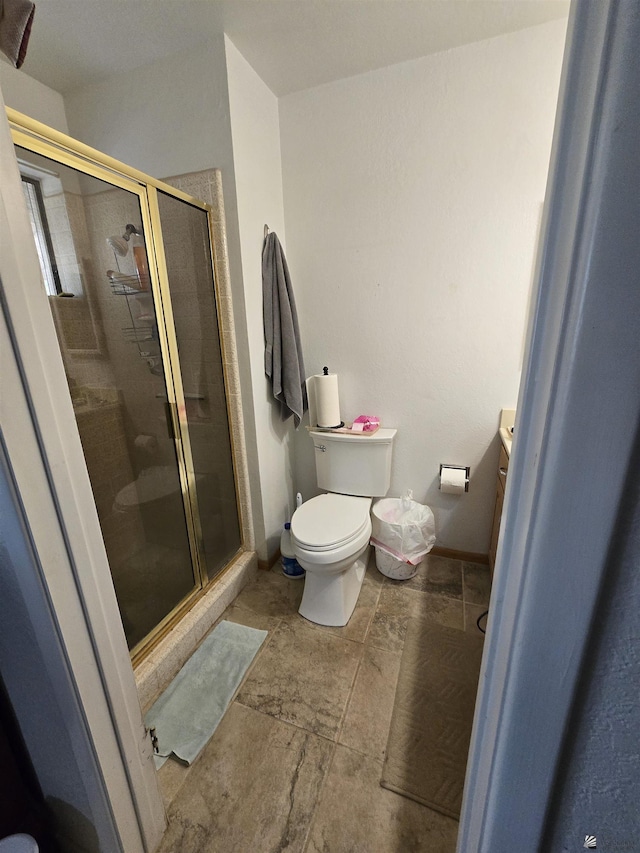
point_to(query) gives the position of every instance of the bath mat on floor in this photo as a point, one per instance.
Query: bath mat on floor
(432, 716)
(189, 710)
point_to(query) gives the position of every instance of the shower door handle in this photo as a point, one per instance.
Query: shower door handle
(168, 413)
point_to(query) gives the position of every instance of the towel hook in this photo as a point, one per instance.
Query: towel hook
(266, 231)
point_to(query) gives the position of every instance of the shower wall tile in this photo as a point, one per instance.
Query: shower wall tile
(233, 379)
(217, 195)
(147, 675)
(226, 321)
(191, 183)
(220, 248)
(61, 239)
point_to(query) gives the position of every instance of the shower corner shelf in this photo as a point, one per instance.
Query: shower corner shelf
(127, 285)
(143, 330)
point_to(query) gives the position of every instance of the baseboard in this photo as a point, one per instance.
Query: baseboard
(437, 551)
(467, 556)
(267, 565)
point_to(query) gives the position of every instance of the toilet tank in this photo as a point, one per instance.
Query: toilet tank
(354, 465)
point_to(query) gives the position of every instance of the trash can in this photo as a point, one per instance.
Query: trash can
(403, 531)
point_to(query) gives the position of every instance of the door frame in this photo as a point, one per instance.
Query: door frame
(56, 502)
(578, 411)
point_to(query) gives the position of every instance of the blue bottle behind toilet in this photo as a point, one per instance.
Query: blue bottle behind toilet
(290, 566)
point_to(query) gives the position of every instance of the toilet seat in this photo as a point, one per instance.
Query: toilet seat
(329, 522)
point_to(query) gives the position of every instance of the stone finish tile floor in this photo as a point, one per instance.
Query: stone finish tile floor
(295, 764)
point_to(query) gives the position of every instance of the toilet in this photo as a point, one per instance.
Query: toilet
(156, 497)
(20, 843)
(330, 533)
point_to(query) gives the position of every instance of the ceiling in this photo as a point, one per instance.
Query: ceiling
(292, 44)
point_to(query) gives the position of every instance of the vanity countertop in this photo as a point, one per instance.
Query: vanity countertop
(507, 439)
(507, 420)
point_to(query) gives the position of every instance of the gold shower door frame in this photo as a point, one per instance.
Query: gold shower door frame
(41, 139)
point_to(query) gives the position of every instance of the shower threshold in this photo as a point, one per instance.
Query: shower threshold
(154, 672)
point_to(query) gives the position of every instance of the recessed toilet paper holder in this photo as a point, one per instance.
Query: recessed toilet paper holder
(464, 468)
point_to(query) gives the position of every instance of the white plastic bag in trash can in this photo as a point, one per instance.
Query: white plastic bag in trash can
(403, 528)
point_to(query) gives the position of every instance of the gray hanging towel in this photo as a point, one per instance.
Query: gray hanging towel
(283, 362)
(16, 17)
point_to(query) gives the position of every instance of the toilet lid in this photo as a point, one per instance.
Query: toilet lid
(330, 520)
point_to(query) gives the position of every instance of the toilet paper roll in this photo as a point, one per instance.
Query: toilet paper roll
(452, 480)
(327, 400)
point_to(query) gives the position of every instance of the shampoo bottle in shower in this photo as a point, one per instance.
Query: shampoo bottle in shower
(140, 258)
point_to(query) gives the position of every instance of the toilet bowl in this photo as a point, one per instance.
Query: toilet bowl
(330, 533)
(330, 536)
(156, 498)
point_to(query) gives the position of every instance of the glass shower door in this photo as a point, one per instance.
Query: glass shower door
(186, 247)
(108, 317)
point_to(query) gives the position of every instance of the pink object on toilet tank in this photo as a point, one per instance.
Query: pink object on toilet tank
(365, 423)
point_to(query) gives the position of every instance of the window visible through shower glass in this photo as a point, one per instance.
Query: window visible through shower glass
(185, 235)
(32, 190)
(107, 328)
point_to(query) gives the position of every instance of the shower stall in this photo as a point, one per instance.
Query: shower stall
(127, 264)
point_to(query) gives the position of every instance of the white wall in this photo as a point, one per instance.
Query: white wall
(257, 166)
(168, 117)
(32, 98)
(412, 196)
